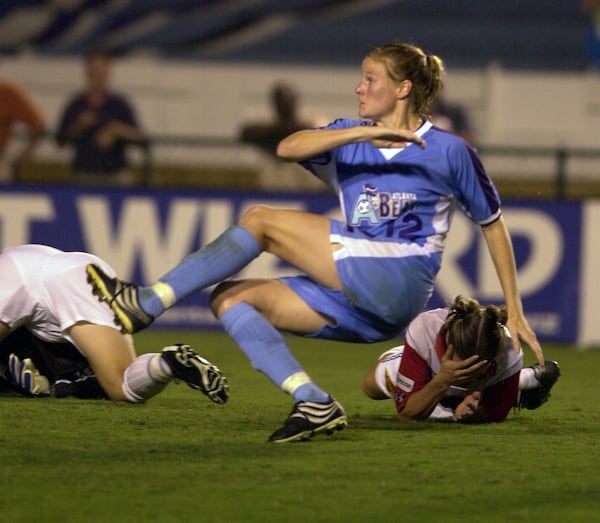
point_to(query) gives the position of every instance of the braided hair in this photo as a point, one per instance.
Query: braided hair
(472, 329)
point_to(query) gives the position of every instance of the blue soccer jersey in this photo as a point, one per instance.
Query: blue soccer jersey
(397, 206)
(409, 194)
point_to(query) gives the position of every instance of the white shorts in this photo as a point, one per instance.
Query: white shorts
(45, 290)
(386, 371)
(69, 295)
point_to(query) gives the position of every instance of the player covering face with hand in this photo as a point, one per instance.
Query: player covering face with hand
(399, 180)
(43, 290)
(458, 363)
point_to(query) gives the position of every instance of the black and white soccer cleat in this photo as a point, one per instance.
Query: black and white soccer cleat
(197, 372)
(309, 418)
(121, 297)
(534, 398)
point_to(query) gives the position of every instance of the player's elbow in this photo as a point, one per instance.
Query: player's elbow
(405, 415)
(371, 392)
(293, 148)
(284, 151)
(404, 418)
(370, 387)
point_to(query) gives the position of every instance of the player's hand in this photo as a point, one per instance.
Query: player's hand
(386, 137)
(27, 376)
(520, 329)
(107, 136)
(86, 119)
(467, 407)
(460, 372)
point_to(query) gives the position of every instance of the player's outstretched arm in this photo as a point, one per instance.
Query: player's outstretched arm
(306, 144)
(500, 247)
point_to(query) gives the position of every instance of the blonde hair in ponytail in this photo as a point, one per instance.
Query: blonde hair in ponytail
(408, 62)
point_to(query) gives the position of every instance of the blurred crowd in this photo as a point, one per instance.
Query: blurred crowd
(97, 124)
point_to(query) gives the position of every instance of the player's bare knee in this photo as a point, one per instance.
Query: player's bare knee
(365, 387)
(223, 297)
(259, 220)
(369, 386)
(255, 217)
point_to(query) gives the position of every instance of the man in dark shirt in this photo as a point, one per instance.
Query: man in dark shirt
(99, 123)
(286, 120)
(452, 117)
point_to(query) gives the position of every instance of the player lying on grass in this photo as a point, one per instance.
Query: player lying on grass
(30, 366)
(44, 290)
(458, 363)
(33, 367)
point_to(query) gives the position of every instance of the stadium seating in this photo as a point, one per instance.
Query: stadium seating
(468, 33)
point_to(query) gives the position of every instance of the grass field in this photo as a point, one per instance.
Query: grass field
(182, 458)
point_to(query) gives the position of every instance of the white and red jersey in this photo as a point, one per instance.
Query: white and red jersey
(404, 370)
(45, 290)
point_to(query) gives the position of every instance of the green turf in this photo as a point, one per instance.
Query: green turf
(182, 458)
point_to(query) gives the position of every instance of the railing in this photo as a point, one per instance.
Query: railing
(198, 153)
(560, 156)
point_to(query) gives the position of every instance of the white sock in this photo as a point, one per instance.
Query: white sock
(145, 377)
(527, 379)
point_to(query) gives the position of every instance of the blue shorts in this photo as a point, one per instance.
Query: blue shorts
(348, 323)
(385, 286)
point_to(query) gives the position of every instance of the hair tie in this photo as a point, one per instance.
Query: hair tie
(459, 314)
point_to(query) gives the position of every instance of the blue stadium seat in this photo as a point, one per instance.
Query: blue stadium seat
(467, 33)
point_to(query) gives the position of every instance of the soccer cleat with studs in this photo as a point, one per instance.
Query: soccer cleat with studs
(121, 297)
(309, 418)
(534, 398)
(197, 372)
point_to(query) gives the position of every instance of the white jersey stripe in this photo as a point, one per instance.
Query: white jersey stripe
(359, 247)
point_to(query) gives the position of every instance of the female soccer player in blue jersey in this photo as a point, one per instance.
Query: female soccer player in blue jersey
(399, 180)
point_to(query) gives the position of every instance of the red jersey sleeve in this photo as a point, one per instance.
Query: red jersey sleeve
(413, 374)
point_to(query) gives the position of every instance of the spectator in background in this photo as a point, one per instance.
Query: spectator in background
(17, 108)
(99, 123)
(452, 117)
(592, 9)
(286, 119)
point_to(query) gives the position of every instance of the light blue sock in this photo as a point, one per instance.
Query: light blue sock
(218, 260)
(268, 353)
